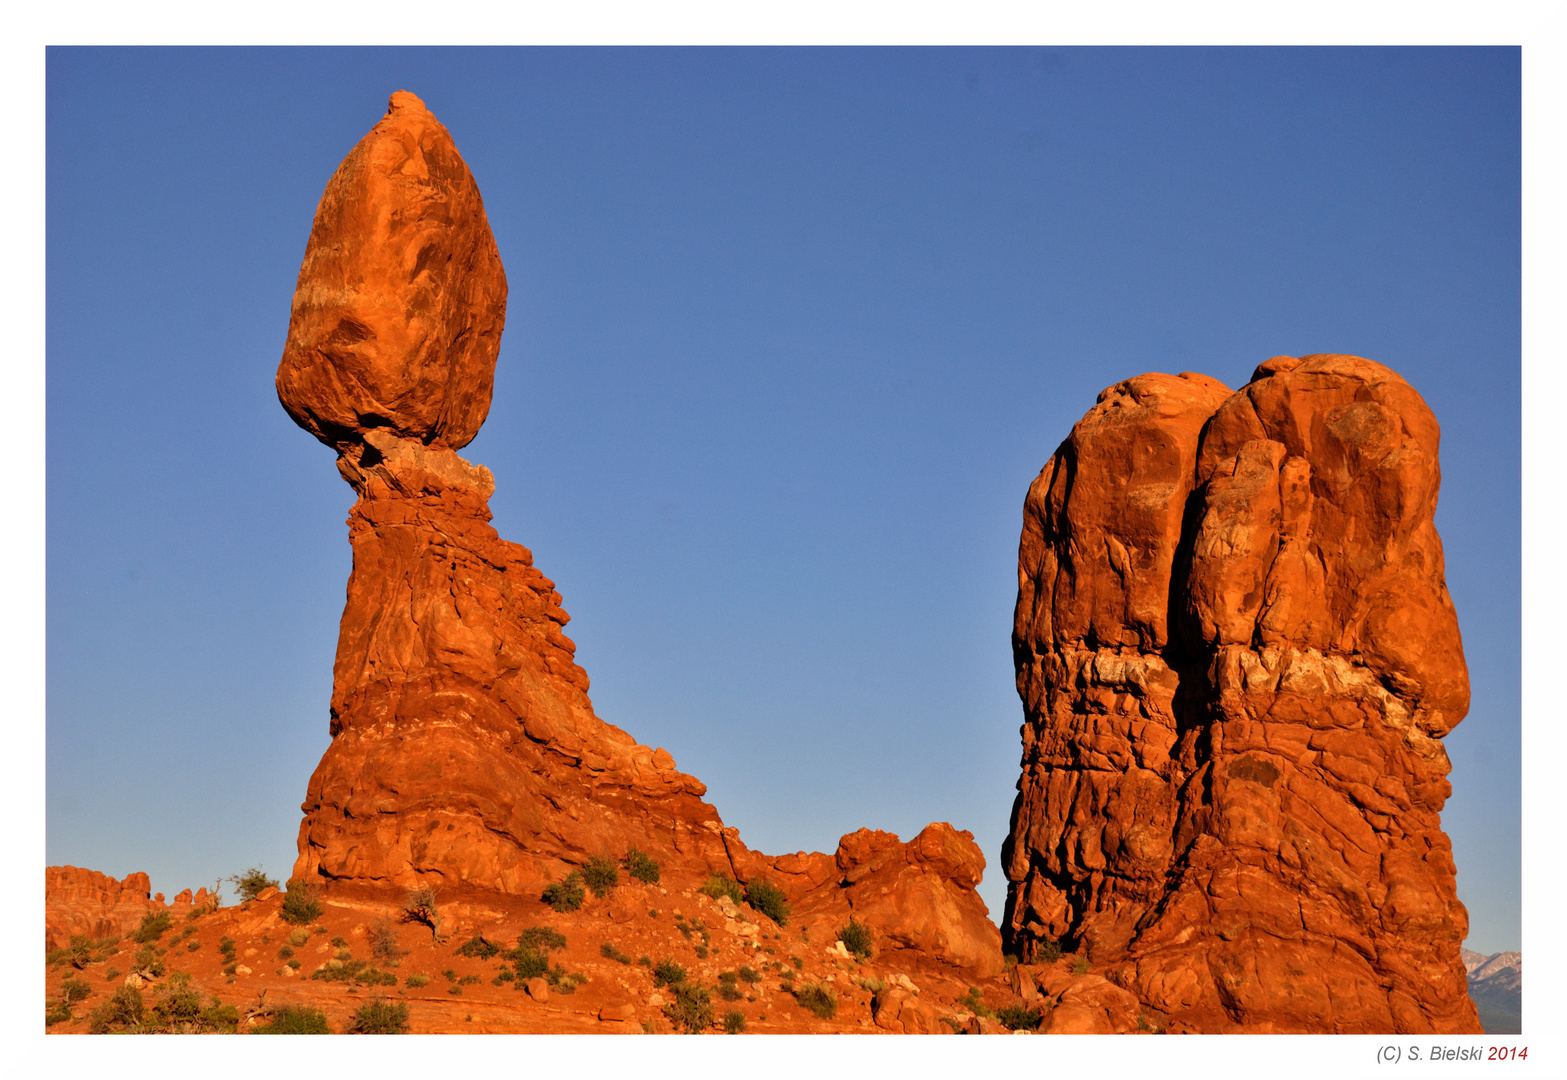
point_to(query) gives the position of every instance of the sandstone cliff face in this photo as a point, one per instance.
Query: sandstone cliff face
(465, 750)
(95, 905)
(1237, 656)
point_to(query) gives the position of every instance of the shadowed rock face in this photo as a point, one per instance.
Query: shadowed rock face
(465, 750)
(1237, 655)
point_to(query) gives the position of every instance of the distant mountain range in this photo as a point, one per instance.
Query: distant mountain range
(1496, 987)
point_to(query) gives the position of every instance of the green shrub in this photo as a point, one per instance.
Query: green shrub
(667, 972)
(252, 883)
(749, 974)
(721, 885)
(148, 961)
(302, 904)
(600, 875)
(1080, 966)
(78, 952)
(112, 974)
(74, 990)
(641, 867)
(856, 937)
(478, 947)
(566, 894)
(192, 946)
(123, 1010)
(729, 991)
(339, 943)
(1047, 951)
(530, 963)
(152, 927)
(609, 952)
(974, 1003)
(298, 937)
(295, 1020)
(285, 952)
(541, 938)
(818, 999)
(734, 1022)
(417, 981)
(769, 899)
(701, 952)
(380, 1017)
(691, 1009)
(343, 972)
(1019, 1018)
(57, 1013)
(372, 977)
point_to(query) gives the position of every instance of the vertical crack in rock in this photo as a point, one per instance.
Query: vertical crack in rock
(1237, 656)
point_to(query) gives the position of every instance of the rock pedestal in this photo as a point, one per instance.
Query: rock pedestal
(1237, 658)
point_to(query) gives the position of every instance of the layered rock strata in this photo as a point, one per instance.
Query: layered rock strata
(1237, 657)
(465, 749)
(86, 903)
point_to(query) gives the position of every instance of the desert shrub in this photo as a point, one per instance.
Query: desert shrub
(1080, 966)
(734, 1022)
(641, 866)
(769, 899)
(57, 1013)
(529, 963)
(112, 974)
(380, 1017)
(383, 941)
(152, 927)
(285, 952)
(974, 1003)
(1047, 951)
(668, 973)
(301, 905)
(343, 971)
(78, 952)
(124, 1010)
(1019, 1018)
(721, 885)
(148, 961)
(478, 947)
(339, 942)
(701, 952)
(609, 952)
(298, 937)
(252, 883)
(372, 977)
(691, 1009)
(417, 981)
(818, 999)
(419, 906)
(799, 965)
(566, 894)
(343, 954)
(600, 875)
(295, 1020)
(729, 991)
(192, 946)
(294, 963)
(74, 990)
(542, 938)
(856, 937)
(178, 1007)
(749, 974)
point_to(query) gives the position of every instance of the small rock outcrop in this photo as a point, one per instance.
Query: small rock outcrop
(465, 750)
(1237, 658)
(90, 904)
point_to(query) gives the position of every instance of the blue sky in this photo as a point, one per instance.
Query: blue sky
(790, 333)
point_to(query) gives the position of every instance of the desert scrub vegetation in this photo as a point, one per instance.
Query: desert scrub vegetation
(691, 1009)
(1047, 951)
(295, 1020)
(642, 867)
(728, 989)
(416, 981)
(252, 883)
(856, 937)
(383, 942)
(609, 952)
(1080, 966)
(148, 963)
(298, 937)
(125, 1011)
(600, 875)
(301, 904)
(380, 1017)
(668, 973)
(152, 927)
(1019, 1017)
(530, 958)
(818, 999)
(478, 947)
(975, 1004)
(419, 906)
(566, 894)
(749, 974)
(769, 899)
(721, 885)
(734, 1022)
(73, 990)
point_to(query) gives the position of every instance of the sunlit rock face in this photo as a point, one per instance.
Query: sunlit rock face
(1237, 657)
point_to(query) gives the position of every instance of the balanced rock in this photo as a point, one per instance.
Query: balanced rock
(1237, 657)
(465, 749)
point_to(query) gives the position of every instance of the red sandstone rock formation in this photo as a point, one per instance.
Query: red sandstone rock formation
(1237, 658)
(97, 906)
(465, 750)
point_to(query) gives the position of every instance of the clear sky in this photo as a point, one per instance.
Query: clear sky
(790, 333)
